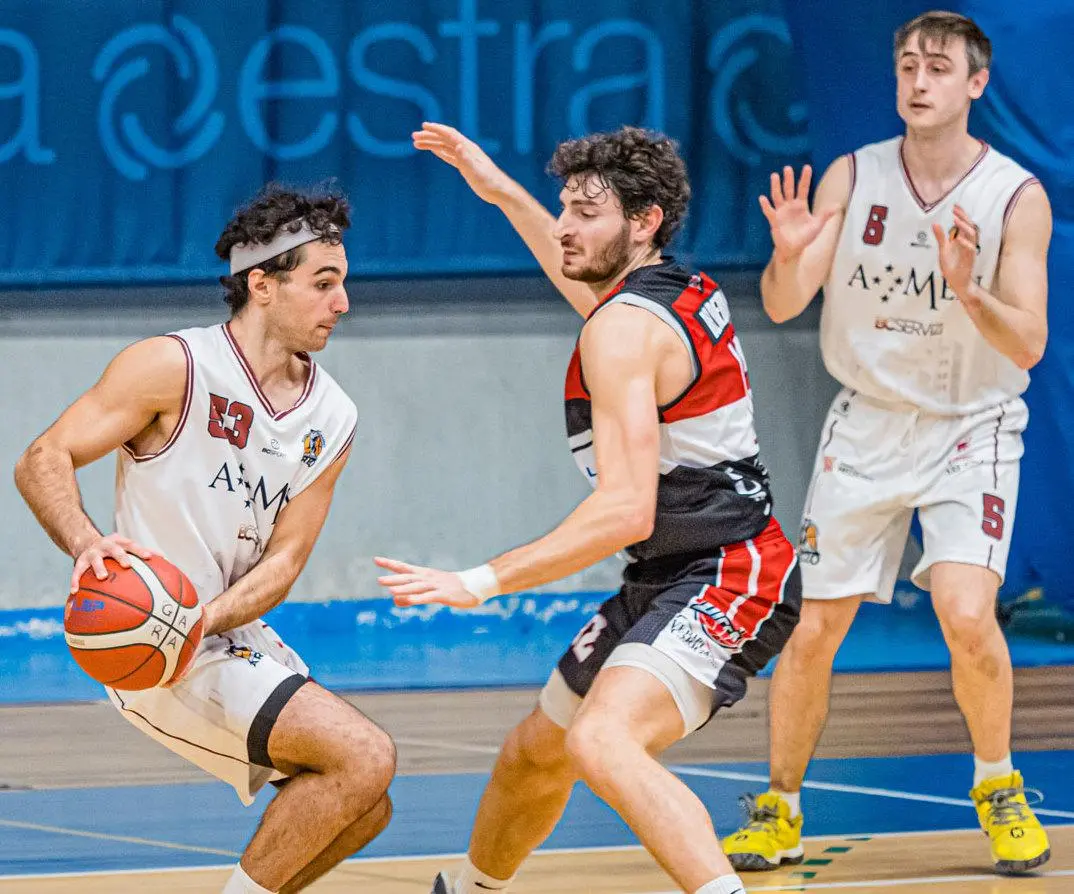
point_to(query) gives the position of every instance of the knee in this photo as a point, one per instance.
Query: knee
(814, 639)
(529, 754)
(380, 761)
(968, 626)
(589, 742)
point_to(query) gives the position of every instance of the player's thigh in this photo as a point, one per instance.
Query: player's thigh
(852, 537)
(967, 512)
(319, 731)
(715, 625)
(856, 516)
(964, 598)
(221, 714)
(630, 703)
(579, 665)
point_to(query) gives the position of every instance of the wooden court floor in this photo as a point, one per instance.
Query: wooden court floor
(450, 732)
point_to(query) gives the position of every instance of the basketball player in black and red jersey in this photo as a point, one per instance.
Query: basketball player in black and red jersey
(660, 421)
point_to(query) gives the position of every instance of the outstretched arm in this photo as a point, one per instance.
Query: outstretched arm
(531, 220)
(621, 348)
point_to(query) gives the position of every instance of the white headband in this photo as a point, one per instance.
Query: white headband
(247, 255)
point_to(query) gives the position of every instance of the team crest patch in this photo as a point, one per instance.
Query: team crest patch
(717, 625)
(312, 446)
(807, 543)
(245, 653)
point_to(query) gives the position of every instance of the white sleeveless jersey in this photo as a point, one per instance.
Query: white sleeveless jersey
(890, 327)
(209, 498)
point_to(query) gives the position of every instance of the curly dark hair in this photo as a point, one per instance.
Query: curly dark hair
(259, 220)
(642, 167)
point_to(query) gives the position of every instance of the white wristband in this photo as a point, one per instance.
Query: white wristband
(481, 582)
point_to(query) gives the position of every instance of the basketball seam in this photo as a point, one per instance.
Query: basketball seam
(111, 683)
(171, 626)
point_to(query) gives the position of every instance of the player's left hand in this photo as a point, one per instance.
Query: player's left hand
(958, 252)
(415, 585)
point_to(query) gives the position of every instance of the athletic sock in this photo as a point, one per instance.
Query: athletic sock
(241, 883)
(725, 884)
(793, 799)
(983, 770)
(472, 880)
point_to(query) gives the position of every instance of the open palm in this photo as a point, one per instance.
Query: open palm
(794, 226)
(463, 154)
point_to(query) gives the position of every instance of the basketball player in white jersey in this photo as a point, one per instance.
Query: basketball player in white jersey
(659, 418)
(230, 440)
(931, 249)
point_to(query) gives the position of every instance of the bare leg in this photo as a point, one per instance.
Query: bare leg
(801, 686)
(964, 597)
(349, 841)
(627, 717)
(341, 764)
(525, 797)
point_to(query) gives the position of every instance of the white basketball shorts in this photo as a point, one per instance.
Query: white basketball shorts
(220, 715)
(876, 465)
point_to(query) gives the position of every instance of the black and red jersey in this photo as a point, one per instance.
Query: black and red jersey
(713, 488)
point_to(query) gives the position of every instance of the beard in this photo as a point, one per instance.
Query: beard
(609, 260)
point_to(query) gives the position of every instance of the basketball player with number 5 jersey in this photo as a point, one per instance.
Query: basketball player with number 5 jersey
(230, 441)
(931, 249)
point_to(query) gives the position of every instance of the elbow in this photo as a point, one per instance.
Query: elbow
(781, 311)
(636, 524)
(24, 465)
(1030, 354)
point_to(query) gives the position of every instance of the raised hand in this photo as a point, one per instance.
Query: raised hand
(793, 225)
(957, 253)
(463, 154)
(415, 585)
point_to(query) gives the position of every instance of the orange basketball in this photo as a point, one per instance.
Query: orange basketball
(136, 629)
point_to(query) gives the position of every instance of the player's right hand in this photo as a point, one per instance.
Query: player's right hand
(110, 546)
(463, 154)
(793, 225)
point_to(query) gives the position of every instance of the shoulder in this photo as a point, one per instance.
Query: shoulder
(1027, 220)
(332, 393)
(625, 333)
(155, 370)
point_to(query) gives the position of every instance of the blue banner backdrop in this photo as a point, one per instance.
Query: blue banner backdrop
(1026, 112)
(129, 131)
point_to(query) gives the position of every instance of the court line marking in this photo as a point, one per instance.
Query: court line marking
(357, 862)
(851, 789)
(447, 746)
(82, 833)
(894, 882)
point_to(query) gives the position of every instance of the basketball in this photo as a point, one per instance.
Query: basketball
(136, 629)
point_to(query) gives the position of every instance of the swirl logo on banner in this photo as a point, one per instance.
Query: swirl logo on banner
(122, 134)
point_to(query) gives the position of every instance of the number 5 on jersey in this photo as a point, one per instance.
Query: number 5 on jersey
(874, 226)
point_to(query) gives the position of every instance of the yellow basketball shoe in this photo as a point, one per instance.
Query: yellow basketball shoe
(1019, 842)
(770, 837)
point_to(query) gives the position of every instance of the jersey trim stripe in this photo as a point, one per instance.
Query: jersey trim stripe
(928, 206)
(188, 397)
(1013, 200)
(261, 396)
(347, 443)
